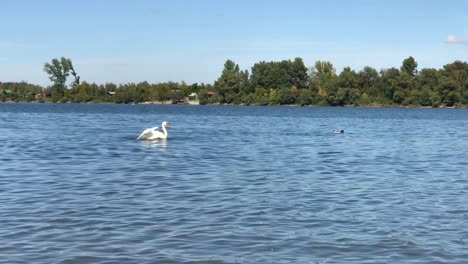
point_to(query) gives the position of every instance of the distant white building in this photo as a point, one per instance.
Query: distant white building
(192, 95)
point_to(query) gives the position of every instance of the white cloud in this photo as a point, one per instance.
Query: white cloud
(454, 40)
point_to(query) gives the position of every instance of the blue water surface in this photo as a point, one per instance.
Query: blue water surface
(232, 185)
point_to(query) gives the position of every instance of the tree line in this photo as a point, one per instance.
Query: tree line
(268, 83)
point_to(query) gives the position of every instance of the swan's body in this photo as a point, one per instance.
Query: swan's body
(153, 133)
(339, 131)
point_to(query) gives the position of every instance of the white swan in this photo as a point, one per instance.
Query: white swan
(341, 131)
(153, 133)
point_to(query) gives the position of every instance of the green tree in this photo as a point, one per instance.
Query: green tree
(273, 97)
(270, 74)
(448, 91)
(203, 96)
(390, 81)
(435, 99)
(279, 74)
(286, 96)
(162, 92)
(323, 81)
(84, 92)
(298, 75)
(177, 96)
(425, 97)
(458, 73)
(229, 83)
(348, 78)
(428, 78)
(261, 96)
(245, 86)
(58, 71)
(364, 99)
(399, 96)
(305, 97)
(295, 90)
(409, 66)
(368, 79)
(353, 96)
(69, 66)
(414, 98)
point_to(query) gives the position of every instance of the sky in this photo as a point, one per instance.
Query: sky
(125, 41)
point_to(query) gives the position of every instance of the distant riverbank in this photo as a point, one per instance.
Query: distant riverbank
(196, 102)
(286, 82)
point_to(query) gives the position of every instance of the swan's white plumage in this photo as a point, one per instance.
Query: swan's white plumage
(153, 133)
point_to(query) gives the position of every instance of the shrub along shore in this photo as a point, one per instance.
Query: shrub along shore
(287, 82)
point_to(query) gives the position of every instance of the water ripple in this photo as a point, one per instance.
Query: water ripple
(232, 185)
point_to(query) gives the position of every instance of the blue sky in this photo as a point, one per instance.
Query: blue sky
(157, 41)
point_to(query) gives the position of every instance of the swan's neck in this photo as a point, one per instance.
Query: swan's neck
(164, 130)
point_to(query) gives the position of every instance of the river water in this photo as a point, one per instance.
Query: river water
(232, 185)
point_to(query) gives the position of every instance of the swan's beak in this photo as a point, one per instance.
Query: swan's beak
(168, 124)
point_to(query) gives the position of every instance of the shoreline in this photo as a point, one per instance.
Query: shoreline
(196, 103)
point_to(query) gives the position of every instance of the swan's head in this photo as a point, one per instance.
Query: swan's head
(165, 124)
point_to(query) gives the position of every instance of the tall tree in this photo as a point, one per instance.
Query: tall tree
(245, 87)
(58, 71)
(323, 80)
(409, 66)
(279, 74)
(299, 75)
(458, 72)
(428, 78)
(75, 75)
(390, 79)
(368, 78)
(229, 83)
(348, 78)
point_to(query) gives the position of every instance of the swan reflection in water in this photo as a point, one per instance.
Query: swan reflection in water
(155, 143)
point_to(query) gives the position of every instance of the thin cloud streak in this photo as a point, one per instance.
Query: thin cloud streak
(270, 45)
(152, 10)
(102, 62)
(6, 44)
(454, 40)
